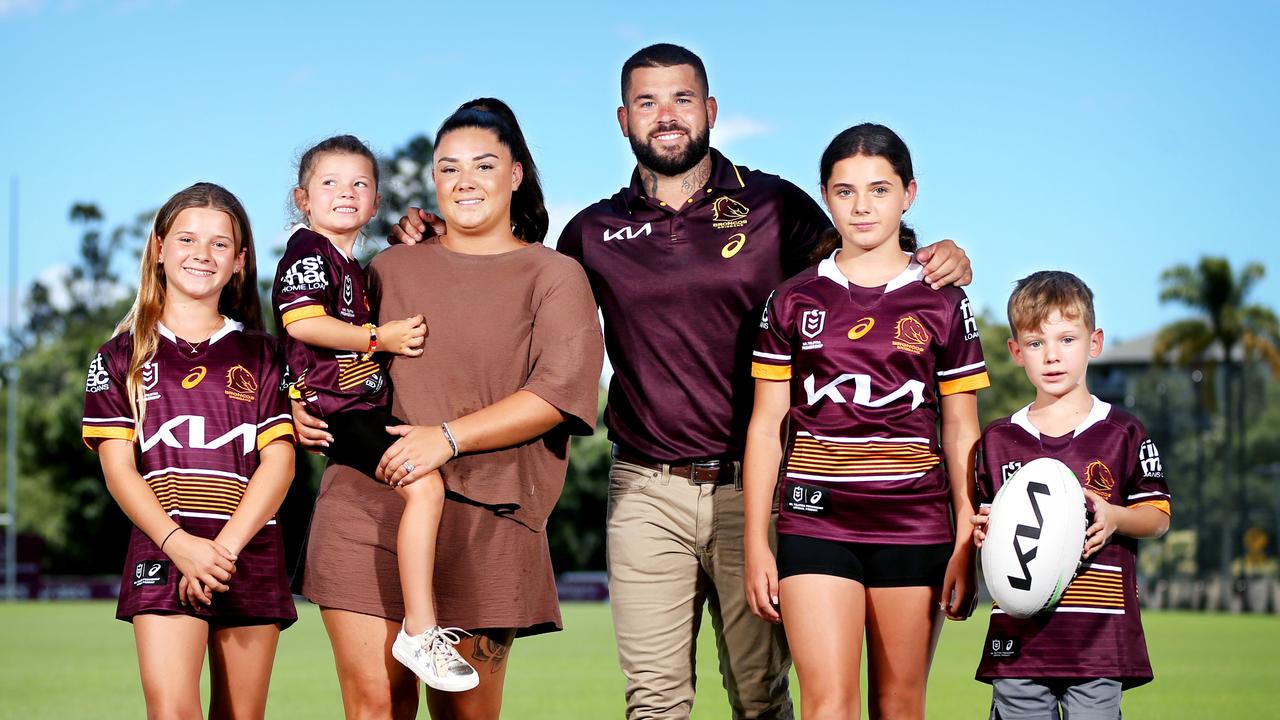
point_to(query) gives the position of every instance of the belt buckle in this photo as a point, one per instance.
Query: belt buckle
(713, 465)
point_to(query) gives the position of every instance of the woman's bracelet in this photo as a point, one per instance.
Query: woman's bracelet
(448, 435)
(166, 537)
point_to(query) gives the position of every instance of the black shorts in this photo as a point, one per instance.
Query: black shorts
(869, 564)
(360, 438)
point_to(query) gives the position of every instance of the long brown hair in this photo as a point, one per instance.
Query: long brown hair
(238, 300)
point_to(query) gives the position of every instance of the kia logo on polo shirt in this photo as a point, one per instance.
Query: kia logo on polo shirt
(630, 233)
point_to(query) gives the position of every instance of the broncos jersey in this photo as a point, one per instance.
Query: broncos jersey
(210, 408)
(867, 368)
(1095, 631)
(314, 278)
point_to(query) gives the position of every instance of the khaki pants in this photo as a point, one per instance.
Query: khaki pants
(671, 546)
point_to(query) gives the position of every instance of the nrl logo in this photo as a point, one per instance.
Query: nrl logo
(812, 322)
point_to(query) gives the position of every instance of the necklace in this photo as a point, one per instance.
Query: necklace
(195, 347)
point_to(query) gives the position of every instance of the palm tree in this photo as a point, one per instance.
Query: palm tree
(1239, 332)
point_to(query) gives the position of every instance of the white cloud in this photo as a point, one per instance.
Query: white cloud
(737, 127)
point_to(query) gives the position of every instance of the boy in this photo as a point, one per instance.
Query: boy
(1090, 647)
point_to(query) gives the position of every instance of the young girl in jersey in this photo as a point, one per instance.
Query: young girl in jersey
(856, 358)
(195, 439)
(320, 303)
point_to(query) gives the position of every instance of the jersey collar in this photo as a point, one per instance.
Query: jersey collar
(304, 226)
(1097, 414)
(724, 176)
(913, 272)
(228, 326)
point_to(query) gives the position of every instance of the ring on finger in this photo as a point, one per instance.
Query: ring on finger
(408, 467)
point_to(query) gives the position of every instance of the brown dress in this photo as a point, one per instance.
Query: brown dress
(520, 320)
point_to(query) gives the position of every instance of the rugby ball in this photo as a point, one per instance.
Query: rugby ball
(1034, 538)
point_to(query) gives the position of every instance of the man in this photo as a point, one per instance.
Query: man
(681, 261)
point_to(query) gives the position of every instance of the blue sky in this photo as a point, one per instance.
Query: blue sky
(1109, 141)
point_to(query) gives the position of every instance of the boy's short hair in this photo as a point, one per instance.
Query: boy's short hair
(1037, 295)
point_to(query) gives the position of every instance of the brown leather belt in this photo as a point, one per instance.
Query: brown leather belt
(705, 472)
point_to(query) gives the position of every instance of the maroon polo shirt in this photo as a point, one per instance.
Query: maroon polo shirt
(680, 290)
(1095, 631)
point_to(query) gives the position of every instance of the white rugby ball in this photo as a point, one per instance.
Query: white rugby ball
(1034, 538)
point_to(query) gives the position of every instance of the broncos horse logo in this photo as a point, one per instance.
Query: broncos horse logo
(241, 384)
(1098, 478)
(910, 335)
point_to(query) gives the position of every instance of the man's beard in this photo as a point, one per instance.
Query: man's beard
(672, 165)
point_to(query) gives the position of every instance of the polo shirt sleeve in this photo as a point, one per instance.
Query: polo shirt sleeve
(960, 365)
(803, 223)
(771, 359)
(106, 399)
(303, 281)
(1147, 484)
(570, 241)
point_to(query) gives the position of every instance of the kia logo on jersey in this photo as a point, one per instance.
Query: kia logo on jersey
(630, 233)
(812, 322)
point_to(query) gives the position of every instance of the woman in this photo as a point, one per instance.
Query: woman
(510, 371)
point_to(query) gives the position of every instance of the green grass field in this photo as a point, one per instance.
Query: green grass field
(73, 660)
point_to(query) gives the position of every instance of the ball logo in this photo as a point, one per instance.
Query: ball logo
(240, 384)
(862, 328)
(910, 335)
(728, 213)
(733, 246)
(1098, 478)
(1025, 556)
(812, 322)
(194, 377)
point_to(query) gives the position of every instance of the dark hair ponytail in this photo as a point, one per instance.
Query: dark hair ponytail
(871, 140)
(529, 219)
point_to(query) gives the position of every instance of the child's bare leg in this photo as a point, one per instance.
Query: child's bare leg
(416, 549)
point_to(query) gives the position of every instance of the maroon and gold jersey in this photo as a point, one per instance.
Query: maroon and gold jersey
(315, 278)
(867, 367)
(1095, 631)
(210, 408)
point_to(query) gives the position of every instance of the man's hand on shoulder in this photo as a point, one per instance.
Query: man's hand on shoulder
(414, 227)
(945, 263)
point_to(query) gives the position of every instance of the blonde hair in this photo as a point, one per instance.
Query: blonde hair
(238, 300)
(1036, 296)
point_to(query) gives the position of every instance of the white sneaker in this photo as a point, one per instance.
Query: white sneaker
(432, 658)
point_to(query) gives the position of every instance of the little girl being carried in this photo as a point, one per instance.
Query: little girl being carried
(320, 302)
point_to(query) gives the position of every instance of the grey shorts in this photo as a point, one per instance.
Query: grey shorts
(1016, 699)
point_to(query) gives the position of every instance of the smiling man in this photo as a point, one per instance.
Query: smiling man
(681, 261)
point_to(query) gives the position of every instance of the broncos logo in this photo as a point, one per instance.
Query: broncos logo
(910, 335)
(241, 384)
(726, 208)
(1098, 478)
